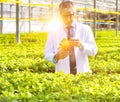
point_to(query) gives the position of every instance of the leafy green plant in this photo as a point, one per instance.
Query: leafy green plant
(26, 76)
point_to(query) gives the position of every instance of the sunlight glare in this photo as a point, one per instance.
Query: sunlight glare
(53, 23)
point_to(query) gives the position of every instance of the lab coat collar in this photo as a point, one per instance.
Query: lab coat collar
(72, 25)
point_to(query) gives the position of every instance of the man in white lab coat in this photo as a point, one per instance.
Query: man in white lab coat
(82, 39)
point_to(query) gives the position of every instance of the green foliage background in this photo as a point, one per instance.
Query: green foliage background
(25, 76)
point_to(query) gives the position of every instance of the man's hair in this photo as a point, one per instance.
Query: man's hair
(66, 4)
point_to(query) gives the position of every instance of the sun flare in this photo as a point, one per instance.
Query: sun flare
(54, 23)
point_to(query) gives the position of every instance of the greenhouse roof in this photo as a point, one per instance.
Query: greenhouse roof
(101, 4)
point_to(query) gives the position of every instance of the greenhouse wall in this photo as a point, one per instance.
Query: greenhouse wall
(10, 26)
(36, 14)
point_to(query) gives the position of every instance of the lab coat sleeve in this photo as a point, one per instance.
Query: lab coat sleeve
(90, 47)
(49, 48)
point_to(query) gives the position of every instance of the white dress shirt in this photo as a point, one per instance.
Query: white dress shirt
(81, 32)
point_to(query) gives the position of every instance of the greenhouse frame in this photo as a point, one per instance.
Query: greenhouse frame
(34, 15)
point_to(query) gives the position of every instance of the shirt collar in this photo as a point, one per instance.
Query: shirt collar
(72, 25)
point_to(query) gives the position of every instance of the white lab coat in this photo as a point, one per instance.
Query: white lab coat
(84, 34)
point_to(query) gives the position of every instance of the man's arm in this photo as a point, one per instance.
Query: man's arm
(49, 48)
(89, 45)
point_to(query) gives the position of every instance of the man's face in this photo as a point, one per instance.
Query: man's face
(67, 16)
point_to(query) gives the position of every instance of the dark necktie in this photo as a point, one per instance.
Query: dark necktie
(72, 55)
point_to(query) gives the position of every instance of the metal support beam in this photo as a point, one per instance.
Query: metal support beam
(1, 16)
(94, 27)
(29, 17)
(117, 19)
(51, 9)
(17, 22)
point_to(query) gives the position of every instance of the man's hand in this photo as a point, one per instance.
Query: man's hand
(61, 54)
(76, 42)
